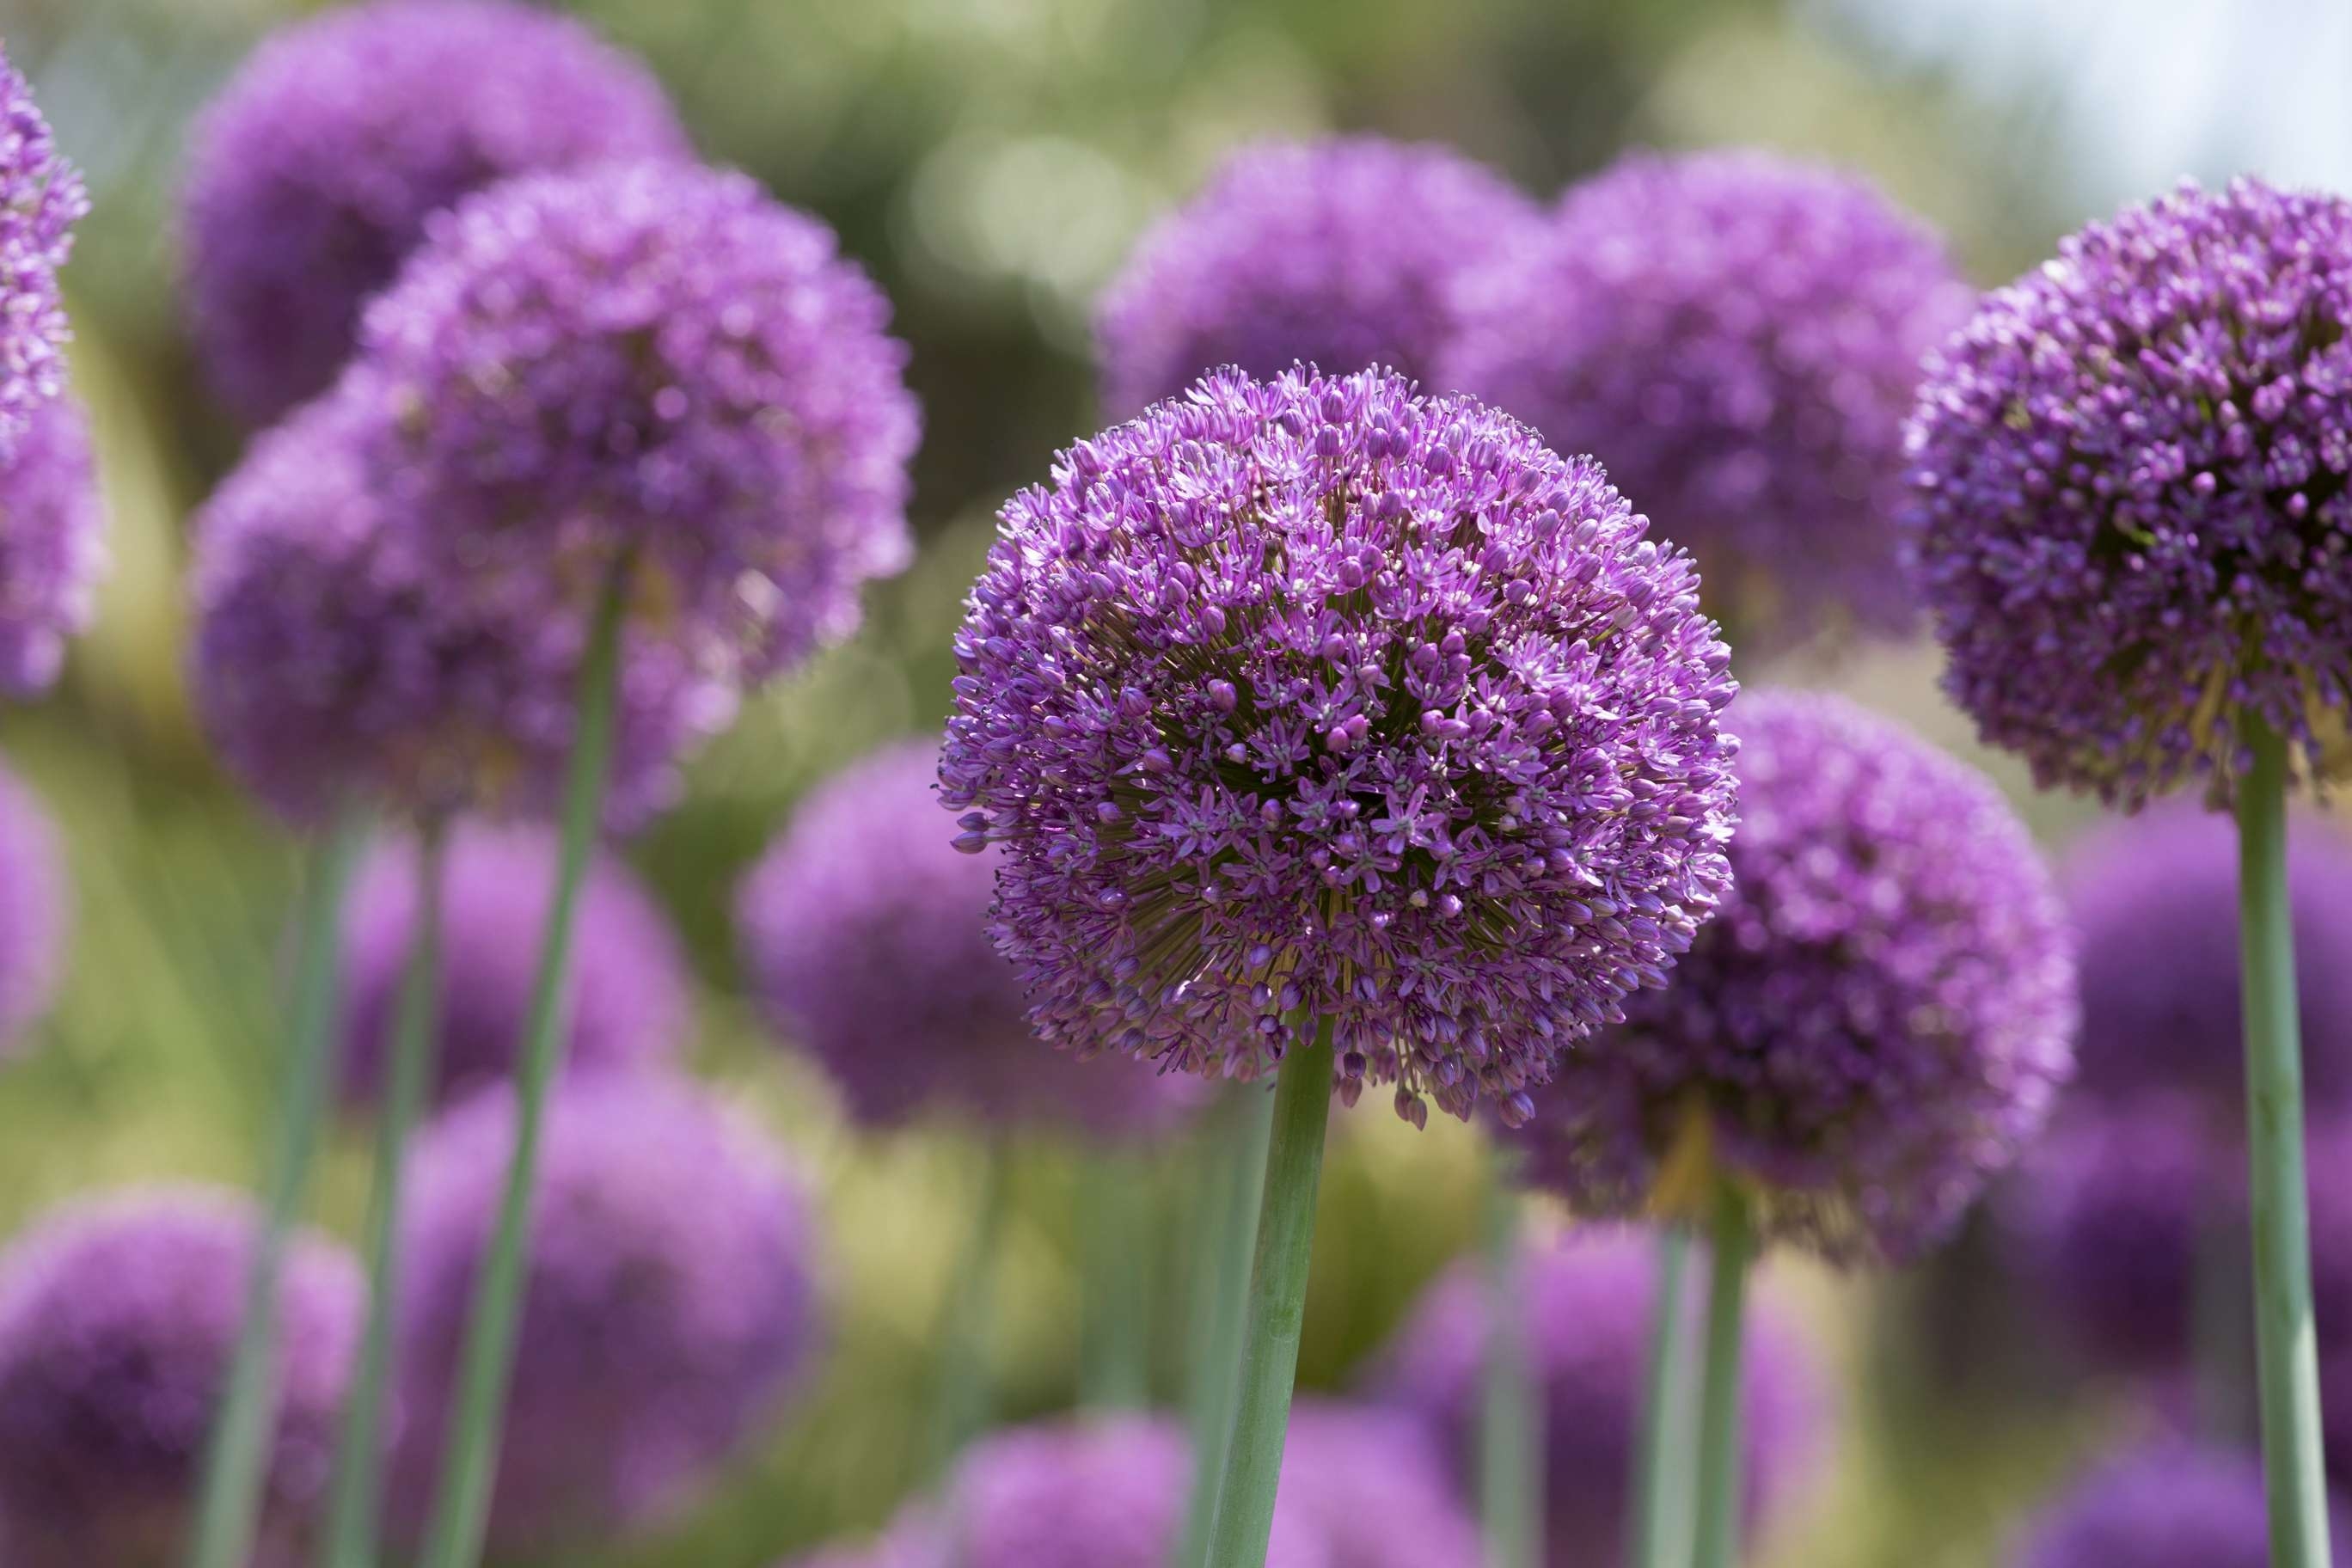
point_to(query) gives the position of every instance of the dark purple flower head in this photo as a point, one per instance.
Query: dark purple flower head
(118, 1319)
(655, 364)
(2130, 514)
(1871, 1028)
(669, 1302)
(1313, 700)
(41, 198)
(33, 912)
(866, 935)
(1738, 335)
(311, 176)
(52, 544)
(2171, 1506)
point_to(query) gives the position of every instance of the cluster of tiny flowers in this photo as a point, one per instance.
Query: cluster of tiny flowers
(32, 912)
(1313, 700)
(41, 198)
(1341, 254)
(1875, 1022)
(2172, 1506)
(51, 545)
(117, 1320)
(311, 176)
(2130, 517)
(1373, 1485)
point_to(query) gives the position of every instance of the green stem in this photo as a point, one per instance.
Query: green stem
(1510, 1431)
(353, 1519)
(237, 1457)
(2286, 1356)
(1716, 1542)
(1278, 1306)
(1115, 1200)
(1661, 1483)
(962, 1392)
(1221, 1300)
(2220, 1334)
(469, 1464)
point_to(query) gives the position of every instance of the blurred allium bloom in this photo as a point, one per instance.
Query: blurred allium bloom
(1315, 699)
(669, 1303)
(1589, 1303)
(51, 544)
(657, 366)
(1340, 254)
(1738, 335)
(627, 1004)
(41, 197)
(117, 1320)
(33, 912)
(1872, 1025)
(1374, 1486)
(2130, 514)
(2173, 1506)
(311, 176)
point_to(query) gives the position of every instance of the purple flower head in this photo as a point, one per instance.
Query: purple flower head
(1313, 700)
(628, 1002)
(117, 1320)
(51, 544)
(1341, 254)
(1373, 1485)
(310, 177)
(1589, 1304)
(669, 1306)
(2171, 1506)
(1738, 335)
(41, 198)
(656, 365)
(33, 912)
(866, 935)
(2129, 516)
(1872, 1027)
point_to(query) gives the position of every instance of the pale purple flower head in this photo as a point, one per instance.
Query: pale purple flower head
(2129, 515)
(653, 366)
(34, 912)
(1340, 254)
(866, 934)
(2170, 1506)
(311, 176)
(1315, 700)
(1374, 1484)
(52, 544)
(117, 1320)
(41, 198)
(1874, 1024)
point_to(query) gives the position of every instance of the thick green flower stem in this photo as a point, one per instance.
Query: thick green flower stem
(1661, 1501)
(1221, 1263)
(1716, 1543)
(1278, 1306)
(1510, 1424)
(1118, 1206)
(469, 1464)
(353, 1508)
(962, 1392)
(238, 1458)
(2286, 1356)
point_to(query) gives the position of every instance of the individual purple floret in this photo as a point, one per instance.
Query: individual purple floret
(117, 1320)
(1874, 1024)
(1340, 254)
(1589, 1302)
(2129, 513)
(669, 1307)
(1738, 335)
(51, 544)
(866, 934)
(2171, 1506)
(654, 369)
(311, 176)
(33, 912)
(41, 198)
(1315, 700)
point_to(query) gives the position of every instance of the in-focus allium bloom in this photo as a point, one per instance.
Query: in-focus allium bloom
(1313, 700)
(117, 1320)
(1372, 1485)
(628, 990)
(656, 364)
(1739, 336)
(1589, 1304)
(669, 1303)
(866, 936)
(311, 176)
(51, 544)
(1340, 254)
(2171, 1506)
(33, 911)
(2130, 515)
(41, 198)
(1874, 1024)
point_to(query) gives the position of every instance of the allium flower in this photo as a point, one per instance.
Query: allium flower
(1872, 1027)
(51, 546)
(654, 364)
(628, 1002)
(866, 935)
(2173, 1506)
(1313, 700)
(1340, 254)
(669, 1301)
(1371, 1484)
(311, 176)
(1590, 1302)
(2130, 517)
(33, 912)
(117, 1320)
(41, 198)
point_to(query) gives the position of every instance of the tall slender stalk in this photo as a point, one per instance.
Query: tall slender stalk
(1720, 1485)
(1221, 1300)
(961, 1391)
(1116, 1203)
(1510, 1427)
(1660, 1499)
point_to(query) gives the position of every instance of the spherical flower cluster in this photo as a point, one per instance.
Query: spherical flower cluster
(1374, 1486)
(51, 545)
(32, 912)
(41, 198)
(2130, 514)
(669, 1301)
(2173, 1506)
(654, 368)
(627, 1003)
(310, 177)
(117, 1320)
(1739, 336)
(1871, 1028)
(1314, 702)
(866, 935)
